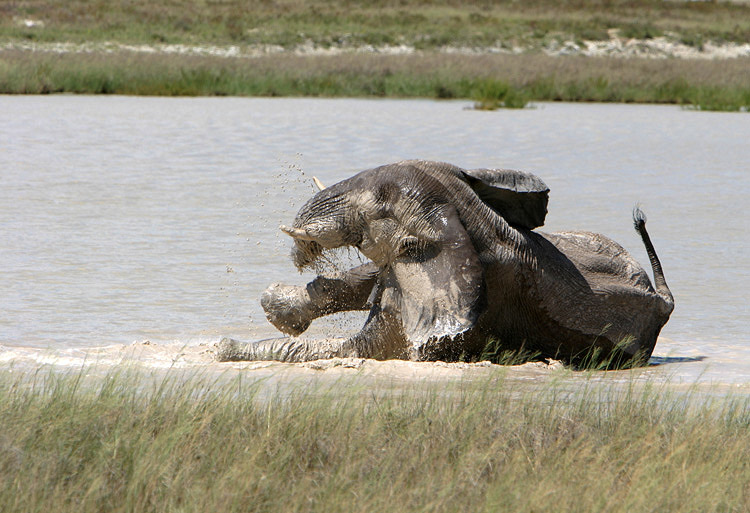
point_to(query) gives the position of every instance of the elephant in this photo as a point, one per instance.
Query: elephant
(457, 266)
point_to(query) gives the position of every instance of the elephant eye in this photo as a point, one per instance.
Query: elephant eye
(410, 247)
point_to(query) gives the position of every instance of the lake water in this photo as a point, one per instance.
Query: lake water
(126, 219)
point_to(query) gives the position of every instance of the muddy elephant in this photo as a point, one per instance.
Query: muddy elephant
(457, 267)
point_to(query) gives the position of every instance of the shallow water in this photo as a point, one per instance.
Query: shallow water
(130, 219)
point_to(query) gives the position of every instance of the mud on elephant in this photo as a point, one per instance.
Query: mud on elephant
(455, 264)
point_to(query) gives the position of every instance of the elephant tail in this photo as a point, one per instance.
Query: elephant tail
(660, 283)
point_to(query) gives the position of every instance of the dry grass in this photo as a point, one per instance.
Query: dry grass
(125, 443)
(427, 23)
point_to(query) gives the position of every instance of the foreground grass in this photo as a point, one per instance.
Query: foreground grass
(127, 444)
(515, 80)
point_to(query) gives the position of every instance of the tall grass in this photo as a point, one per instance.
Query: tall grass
(716, 85)
(192, 444)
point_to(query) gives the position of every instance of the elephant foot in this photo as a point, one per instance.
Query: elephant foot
(229, 350)
(288, 308)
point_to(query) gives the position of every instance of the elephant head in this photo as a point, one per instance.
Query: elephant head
(427, 226)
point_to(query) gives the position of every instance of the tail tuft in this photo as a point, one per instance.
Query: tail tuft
(639, 218)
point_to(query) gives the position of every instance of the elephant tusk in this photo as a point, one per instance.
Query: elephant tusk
(296, 233)
(318, 183)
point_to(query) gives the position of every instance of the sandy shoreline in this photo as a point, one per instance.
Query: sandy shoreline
(155, 360)
(662, 47)
(151, 363)
(148, 355)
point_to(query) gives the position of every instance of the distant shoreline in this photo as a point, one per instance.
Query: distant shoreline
(491, 80)
(498, 54)
(617, 47)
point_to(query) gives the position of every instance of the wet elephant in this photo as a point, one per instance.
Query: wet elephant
(456, 266)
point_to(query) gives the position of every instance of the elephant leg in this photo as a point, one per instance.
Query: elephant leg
(380, 338)
(292, 308)
(286, 349)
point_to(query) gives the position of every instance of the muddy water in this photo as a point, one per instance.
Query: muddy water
(125, 220)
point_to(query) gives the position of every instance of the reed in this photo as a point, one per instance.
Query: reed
(189, 443)
(715, 85)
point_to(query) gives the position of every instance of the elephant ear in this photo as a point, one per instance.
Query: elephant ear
(520, 198)
(436, 287)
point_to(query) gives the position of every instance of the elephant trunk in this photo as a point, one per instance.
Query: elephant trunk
(324, 222)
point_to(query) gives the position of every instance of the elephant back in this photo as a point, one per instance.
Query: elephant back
(520, 198)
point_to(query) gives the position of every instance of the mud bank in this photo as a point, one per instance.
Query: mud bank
(155, 357)
(153, 362)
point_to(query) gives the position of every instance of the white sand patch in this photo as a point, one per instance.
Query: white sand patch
(656, 48)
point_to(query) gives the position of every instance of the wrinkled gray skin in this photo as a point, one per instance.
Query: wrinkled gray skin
(455, 264)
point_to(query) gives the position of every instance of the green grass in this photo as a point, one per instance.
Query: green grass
(127, 443)
(492, 94)
(490, 80)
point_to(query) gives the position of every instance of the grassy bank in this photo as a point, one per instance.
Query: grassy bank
(715, 85)
(191, 445)
(429, 27)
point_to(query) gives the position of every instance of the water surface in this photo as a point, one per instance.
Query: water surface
(130, 219)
